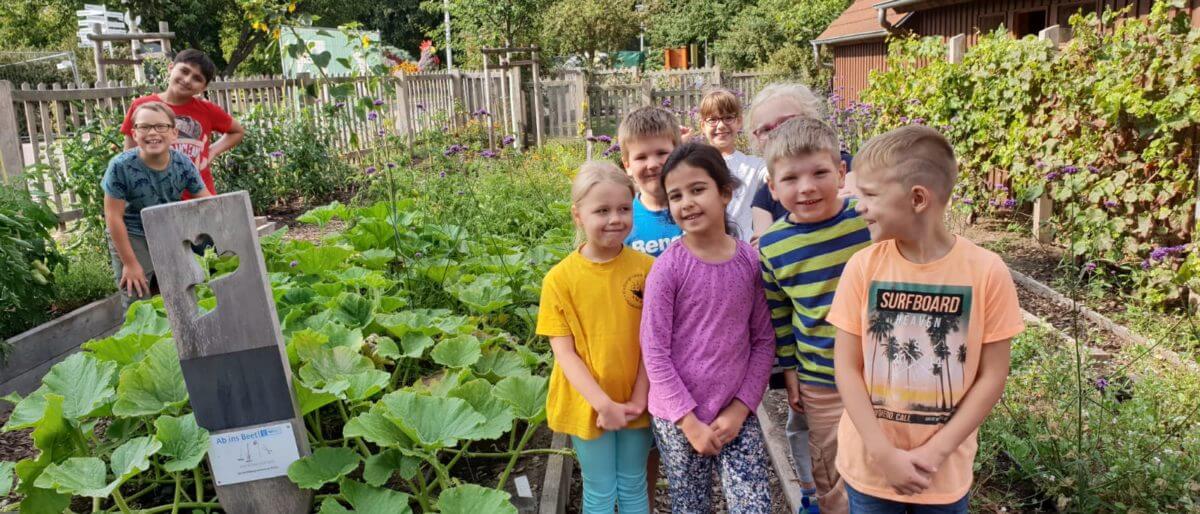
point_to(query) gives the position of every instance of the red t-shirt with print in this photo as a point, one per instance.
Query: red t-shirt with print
(196, 121)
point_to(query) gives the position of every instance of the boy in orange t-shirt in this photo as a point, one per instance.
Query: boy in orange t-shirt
(925, 319)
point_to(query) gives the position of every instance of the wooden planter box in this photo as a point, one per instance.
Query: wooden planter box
(37, 349)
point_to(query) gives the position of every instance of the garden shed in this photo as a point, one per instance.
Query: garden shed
(857, 38)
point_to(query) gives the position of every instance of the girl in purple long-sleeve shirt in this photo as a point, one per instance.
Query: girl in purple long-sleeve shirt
(707, 343)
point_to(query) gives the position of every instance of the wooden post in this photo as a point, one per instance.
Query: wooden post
(537, 101)
(583, 102)
(98, 56)
(516, 106)
(12, 165)
(958, 48)
(1043, 206)
(715, 81)
(458, 102)
(233, 358)
(163, 28)
(647, 91)
(1055, 34)
(403, 112)
(487, 102)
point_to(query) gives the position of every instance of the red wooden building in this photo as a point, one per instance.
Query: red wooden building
(857, 38)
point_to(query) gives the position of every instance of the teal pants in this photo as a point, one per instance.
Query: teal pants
(614, 471)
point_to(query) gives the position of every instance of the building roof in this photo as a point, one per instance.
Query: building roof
(859, 22)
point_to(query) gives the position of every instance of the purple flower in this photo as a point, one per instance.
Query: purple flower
(612, 150)
(418, 255)
(276, 154)
(1010, 203)
(1053, 175)
(391, 165)
(372, 116)
(1070, 170)
(666, 103)
(604, 139)
(489, 154)
(590, 139)
(1039, 164)
(1110, 204)
(508, 140)
(293, 264)
(904, 119)
(1101, 384)
(919, 121)
(481, 112)
(1162, 252)
(339, 105)
(378, 102)
(1089, 267)
(454, 149)
(1093, 169)
(442, 174)
(371, 170)
(381, 133)
(968, 201)
(914, 101)
(993, 202)
(1146, 264)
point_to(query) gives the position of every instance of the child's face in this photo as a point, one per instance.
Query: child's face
(721, 131)
(645, 160)
(770, 115)
(697, 204)
(885, 205)
(185, 80)
(153, 132)
(605, 214)
(807, 186)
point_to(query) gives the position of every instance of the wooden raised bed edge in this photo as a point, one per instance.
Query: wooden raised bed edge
(556, 485)
(777, 451)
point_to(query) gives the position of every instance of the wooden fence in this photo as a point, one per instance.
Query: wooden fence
(34, 119)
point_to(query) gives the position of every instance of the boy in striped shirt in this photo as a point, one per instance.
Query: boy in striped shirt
(802, 259)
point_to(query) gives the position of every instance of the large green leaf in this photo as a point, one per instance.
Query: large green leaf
(496, 364)
(143, 318)
(153, 385)
(322, 258)
(38, 500)
(331, 506)
(374, 500)
(77, 476)
(54, 436)
(457, 352)
(182, 440)
(6, 477)
(379, 467)
(377, 258)
(344, 373)
(484, 295)
(498, 414)
(413, 320)
(440, 270)
(311, 400)
(434, 422)
(323, 214)
(340, 335)
(28, 411)
(323, 466)
(526, 395)
(85, 383)
(413, 345)
(133, 457)
(352, 310)
(122, 350)
(474, 499)
(374, 426)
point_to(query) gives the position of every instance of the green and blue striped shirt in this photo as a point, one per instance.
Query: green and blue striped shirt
(801, 265)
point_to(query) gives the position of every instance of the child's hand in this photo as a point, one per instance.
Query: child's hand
(684, 132)
(611, 416)
(927, 458)
(133, 279)
(702, 437)
(792, 382)
(729, 422)
(633, 410)
(902, 472)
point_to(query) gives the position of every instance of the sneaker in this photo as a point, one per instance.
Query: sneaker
(808, 502)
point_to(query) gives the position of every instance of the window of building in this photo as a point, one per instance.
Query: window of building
(1066, 11)
(1029, 22)
(989, 23)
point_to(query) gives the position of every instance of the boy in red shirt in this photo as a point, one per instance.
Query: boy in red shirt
(195, 118)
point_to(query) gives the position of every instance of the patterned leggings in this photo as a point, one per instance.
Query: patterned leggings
(743, 467)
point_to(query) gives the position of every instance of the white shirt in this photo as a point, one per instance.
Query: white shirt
(751, 171)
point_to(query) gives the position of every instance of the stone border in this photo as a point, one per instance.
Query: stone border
(777, 450)
(37, 349)
(556, 485)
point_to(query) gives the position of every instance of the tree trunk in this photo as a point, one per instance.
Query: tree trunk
(248, 41)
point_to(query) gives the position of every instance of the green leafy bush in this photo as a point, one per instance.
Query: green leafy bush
(1106, 126)
(27, 254)
(287, 157)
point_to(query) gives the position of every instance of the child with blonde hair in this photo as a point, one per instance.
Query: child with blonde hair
(591, 309)
(647, 136)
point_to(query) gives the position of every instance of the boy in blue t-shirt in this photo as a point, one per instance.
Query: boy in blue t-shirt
(646, 137)
(151, 174)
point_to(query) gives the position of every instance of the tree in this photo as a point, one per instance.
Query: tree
(38, 23)
(487, 23)
(776, 33)
(879, 327)
(589, 26)
(891, 350)
(911, 353)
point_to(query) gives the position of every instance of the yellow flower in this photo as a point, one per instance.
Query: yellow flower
(366, 42)
(276, 33)
(292, 7)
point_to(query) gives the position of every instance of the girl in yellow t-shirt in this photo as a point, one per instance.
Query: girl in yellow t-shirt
(591, 308)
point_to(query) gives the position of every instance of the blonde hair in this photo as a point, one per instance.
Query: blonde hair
(157, 107)
(799, 94)
(798, 137)
(913, 155)
(720, 102)
(590, 174)
(646, 122)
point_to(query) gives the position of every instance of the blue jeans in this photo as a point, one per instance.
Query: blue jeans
(861, 503)
(614, 471)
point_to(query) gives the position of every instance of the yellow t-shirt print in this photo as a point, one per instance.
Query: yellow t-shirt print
(600, 305)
